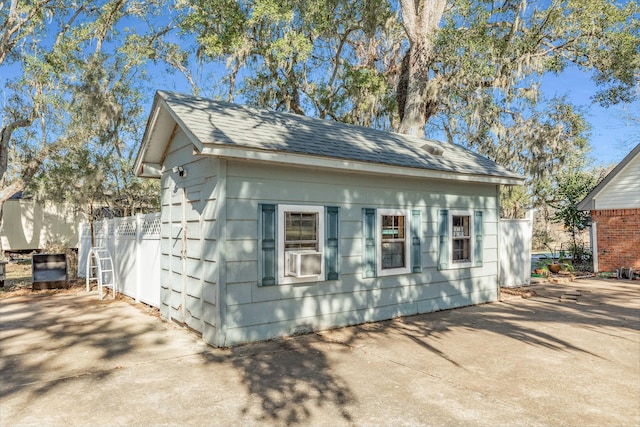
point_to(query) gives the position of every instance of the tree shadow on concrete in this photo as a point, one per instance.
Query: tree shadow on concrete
(295, 379)
(50, 337)
(292, 377)
(598, 310)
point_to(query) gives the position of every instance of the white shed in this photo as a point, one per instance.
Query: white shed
(275, 224)
(29, 225)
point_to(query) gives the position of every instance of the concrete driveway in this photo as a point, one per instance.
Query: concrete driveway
(568, 356)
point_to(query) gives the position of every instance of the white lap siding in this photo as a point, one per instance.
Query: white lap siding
(623, 191)
(189, 276)
(260, 312)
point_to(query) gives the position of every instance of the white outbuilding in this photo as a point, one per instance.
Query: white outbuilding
(276, 224)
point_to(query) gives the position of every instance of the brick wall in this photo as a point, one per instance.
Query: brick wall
(618, 238)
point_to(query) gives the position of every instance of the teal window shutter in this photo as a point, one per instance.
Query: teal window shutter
(369, 242)
(268, 271)
(416, 254)
(477, 244)
(331, 256)
(443, 234)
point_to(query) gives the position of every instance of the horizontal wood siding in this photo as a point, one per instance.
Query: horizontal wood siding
(261, 312)
(623, 191)
(189, 298)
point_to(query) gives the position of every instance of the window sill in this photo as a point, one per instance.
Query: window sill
(290, 280)
(458, 265)
(393, 271)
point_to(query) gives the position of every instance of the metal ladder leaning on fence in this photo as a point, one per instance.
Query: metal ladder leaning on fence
(100, 269)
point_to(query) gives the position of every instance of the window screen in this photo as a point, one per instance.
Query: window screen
(461, 235)
(301, 230)
(393, 241)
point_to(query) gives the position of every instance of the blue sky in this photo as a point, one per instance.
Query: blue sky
(611, 135)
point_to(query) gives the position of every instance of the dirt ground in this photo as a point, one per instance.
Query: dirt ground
(18, 277)
(18, 282)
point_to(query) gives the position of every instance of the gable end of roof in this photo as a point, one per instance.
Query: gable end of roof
(588, 203)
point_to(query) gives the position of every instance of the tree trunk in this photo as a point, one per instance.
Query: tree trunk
(574, 250)
(420, 19)
(27, 171)
(1, 246)
(5, 193)
(414, 111)
(5, 138)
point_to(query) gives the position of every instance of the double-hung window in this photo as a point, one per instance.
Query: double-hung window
(300, 243)
(391, 242)
(460, 239)
(297, 244)
(301, 231)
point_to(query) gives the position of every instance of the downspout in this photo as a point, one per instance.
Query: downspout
(221, 223)
(594, 246)
(183, 256)
(498, 244)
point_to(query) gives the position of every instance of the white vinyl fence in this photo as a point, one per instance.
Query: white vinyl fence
(515, 251)
(134, 245)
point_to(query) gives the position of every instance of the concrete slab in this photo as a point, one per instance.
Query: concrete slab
(69, 359)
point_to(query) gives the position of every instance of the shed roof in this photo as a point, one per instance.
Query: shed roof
(232, 130)
(588, 202)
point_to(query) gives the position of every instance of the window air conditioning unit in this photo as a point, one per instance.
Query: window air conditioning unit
(304, 263)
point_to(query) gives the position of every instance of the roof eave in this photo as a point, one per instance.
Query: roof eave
(190, 135)
(589, 202)
(586, 205)
(304, 160)
(159, 104)
(150, 170)
(144, 147)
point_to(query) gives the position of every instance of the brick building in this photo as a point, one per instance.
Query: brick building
(615, 216)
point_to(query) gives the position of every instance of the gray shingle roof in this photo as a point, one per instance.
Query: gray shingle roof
(233, 125)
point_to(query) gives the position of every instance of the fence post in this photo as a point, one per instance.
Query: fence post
(139, 254)
(105, 231)
(81, 247)
(529, 215)
(114, 251)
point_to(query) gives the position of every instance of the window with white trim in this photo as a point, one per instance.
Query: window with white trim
(393, 242)
(300, 243)
(460, 237)
(461, 240)
(301, 231)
